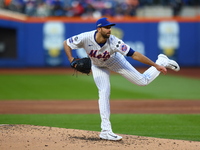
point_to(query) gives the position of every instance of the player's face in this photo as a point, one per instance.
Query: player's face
(105, 31)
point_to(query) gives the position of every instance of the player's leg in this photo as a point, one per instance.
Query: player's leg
(122, 66)
(102, 80)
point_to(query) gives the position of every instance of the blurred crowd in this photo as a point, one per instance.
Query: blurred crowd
(89, 8)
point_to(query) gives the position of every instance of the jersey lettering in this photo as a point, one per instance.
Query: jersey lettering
(93, 53)
(105, 55)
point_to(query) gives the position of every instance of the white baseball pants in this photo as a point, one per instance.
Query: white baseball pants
(101, 75)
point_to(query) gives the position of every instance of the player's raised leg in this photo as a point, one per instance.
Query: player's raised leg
(123, 67)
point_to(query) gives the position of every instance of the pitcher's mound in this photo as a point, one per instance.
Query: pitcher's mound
(29, 137)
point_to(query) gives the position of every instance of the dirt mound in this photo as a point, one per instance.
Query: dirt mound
(21, 137)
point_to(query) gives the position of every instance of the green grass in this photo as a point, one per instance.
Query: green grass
(68, 87)
(163, 87)
(49, 87)
(184, 127)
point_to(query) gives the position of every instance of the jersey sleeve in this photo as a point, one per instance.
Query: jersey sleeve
(120, 46)
(75, 42)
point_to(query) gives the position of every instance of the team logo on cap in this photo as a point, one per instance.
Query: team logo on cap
(99, 25)
(123, 47)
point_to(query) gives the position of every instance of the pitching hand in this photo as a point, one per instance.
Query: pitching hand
(161, 69)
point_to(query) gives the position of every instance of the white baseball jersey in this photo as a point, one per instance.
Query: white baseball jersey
(97, 53)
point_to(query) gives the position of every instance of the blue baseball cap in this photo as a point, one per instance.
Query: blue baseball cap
(103, 22)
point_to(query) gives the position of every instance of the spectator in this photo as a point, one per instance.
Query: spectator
(165, 2)
(131, 7)
(77, 8)
(57, 8)
(5, 3)
(30, 7)
(42, 10)
(107, 9)
(147, 2)
(127, 8)
(176, 6)
(119, 10)
(89, 10)
(17, 6)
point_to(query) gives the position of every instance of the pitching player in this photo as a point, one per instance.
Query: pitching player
(107, 54)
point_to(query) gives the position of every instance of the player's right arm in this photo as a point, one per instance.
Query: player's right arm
(68, 51)
(71, 43)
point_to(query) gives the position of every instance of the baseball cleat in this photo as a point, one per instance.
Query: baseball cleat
(171, 64)
(110, 136)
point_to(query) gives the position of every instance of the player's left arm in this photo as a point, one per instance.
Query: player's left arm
(145, 60)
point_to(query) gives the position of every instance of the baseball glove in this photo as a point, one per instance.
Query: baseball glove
(82, 65)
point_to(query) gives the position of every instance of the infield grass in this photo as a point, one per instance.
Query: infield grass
(183, 127)
(68, 87)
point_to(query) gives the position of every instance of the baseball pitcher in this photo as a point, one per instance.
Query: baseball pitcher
(106, 53)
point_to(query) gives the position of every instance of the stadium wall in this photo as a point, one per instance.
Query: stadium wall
(37, 42)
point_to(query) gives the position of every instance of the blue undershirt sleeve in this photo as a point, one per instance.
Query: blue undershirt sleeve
(130, 53)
